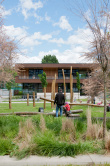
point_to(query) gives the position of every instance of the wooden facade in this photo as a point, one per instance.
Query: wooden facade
(50, 70)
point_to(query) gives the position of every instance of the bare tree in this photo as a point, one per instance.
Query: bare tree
(8, 55)
(93, 85)
(99, 24)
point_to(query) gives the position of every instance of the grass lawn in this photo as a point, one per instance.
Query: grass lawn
(22, 107)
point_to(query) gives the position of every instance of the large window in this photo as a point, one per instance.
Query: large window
(33, 87)
(66, 72)
(33, 73)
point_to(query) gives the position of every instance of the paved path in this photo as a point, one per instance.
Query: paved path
(89, 159)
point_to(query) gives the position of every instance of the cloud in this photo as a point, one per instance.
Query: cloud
(63, 24)
(27, 59)
(58, 41)
(39, 36)
(15, 33)
(26, 40)
(27, 6)
(82, 38)
(47, 18)
(77, 44)
(5, 12)
(68, 56)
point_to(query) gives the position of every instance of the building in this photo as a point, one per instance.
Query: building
(28, 76)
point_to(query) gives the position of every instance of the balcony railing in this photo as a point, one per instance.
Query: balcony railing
(50, 77)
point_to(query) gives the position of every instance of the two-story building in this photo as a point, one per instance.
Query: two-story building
(28, 76)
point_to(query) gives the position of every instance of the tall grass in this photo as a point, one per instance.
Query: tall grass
(68, 132)
(94, 131)
(46, 144)
(44, 135)
(26, 131)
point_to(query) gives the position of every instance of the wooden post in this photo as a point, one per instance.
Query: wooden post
(64, 83)
(52, 95)
(44, 97)
(71, 86)
(33, 99)
(27, 99)
(10, 96)
(53, 91)
(54, 87)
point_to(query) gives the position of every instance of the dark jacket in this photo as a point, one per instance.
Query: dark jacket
(59, 99)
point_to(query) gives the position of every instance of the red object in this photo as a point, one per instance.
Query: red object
(67, 106)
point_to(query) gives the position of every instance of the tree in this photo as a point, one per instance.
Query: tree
(99, 24)
(93, 85)
(9, 85)
(44, 83)
(78, 83)
(50, 59)
(8, 53)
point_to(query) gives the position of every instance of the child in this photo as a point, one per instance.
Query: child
(66, 108)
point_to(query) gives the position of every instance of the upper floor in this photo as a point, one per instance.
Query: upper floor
(29, 72)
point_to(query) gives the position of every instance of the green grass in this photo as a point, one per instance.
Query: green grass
(47, 143)
(52, 141)
(22, 107)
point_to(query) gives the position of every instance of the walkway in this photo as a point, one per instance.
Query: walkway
(89, 159)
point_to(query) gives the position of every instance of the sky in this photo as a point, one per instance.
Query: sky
(44, 27)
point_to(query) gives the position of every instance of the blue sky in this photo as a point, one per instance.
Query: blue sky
(45, 27)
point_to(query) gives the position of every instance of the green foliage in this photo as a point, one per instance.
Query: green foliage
(43, 79)
(50, 59)
(80, 125)
(53, 124)
(43, 143)
(9, 126)
(78, 81)
(46, 144)
(20, 93)
(6, 146)
(11, 83)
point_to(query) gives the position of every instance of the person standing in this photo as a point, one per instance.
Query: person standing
(59, 101)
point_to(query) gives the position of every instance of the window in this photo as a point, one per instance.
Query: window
(33, 73)
(32, 87)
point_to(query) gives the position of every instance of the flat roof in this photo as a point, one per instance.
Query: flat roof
(55, 65)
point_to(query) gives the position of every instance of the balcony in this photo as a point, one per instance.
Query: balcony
(27, 79)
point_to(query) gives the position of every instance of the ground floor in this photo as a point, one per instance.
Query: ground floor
(37, 87)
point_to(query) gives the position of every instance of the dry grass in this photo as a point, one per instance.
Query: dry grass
(42, 124)
(68, 129)
(26, 131)
(107, 142)
(94, 131)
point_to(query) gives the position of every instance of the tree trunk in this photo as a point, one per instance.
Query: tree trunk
(78, 95)
(28, 99)
(33, 99)
(44, 97)
(104, 121)
(71, 85)
(10, 96)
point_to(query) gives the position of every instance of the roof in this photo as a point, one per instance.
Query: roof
(56, 65)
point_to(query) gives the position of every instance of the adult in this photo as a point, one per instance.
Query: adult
(59, 101)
